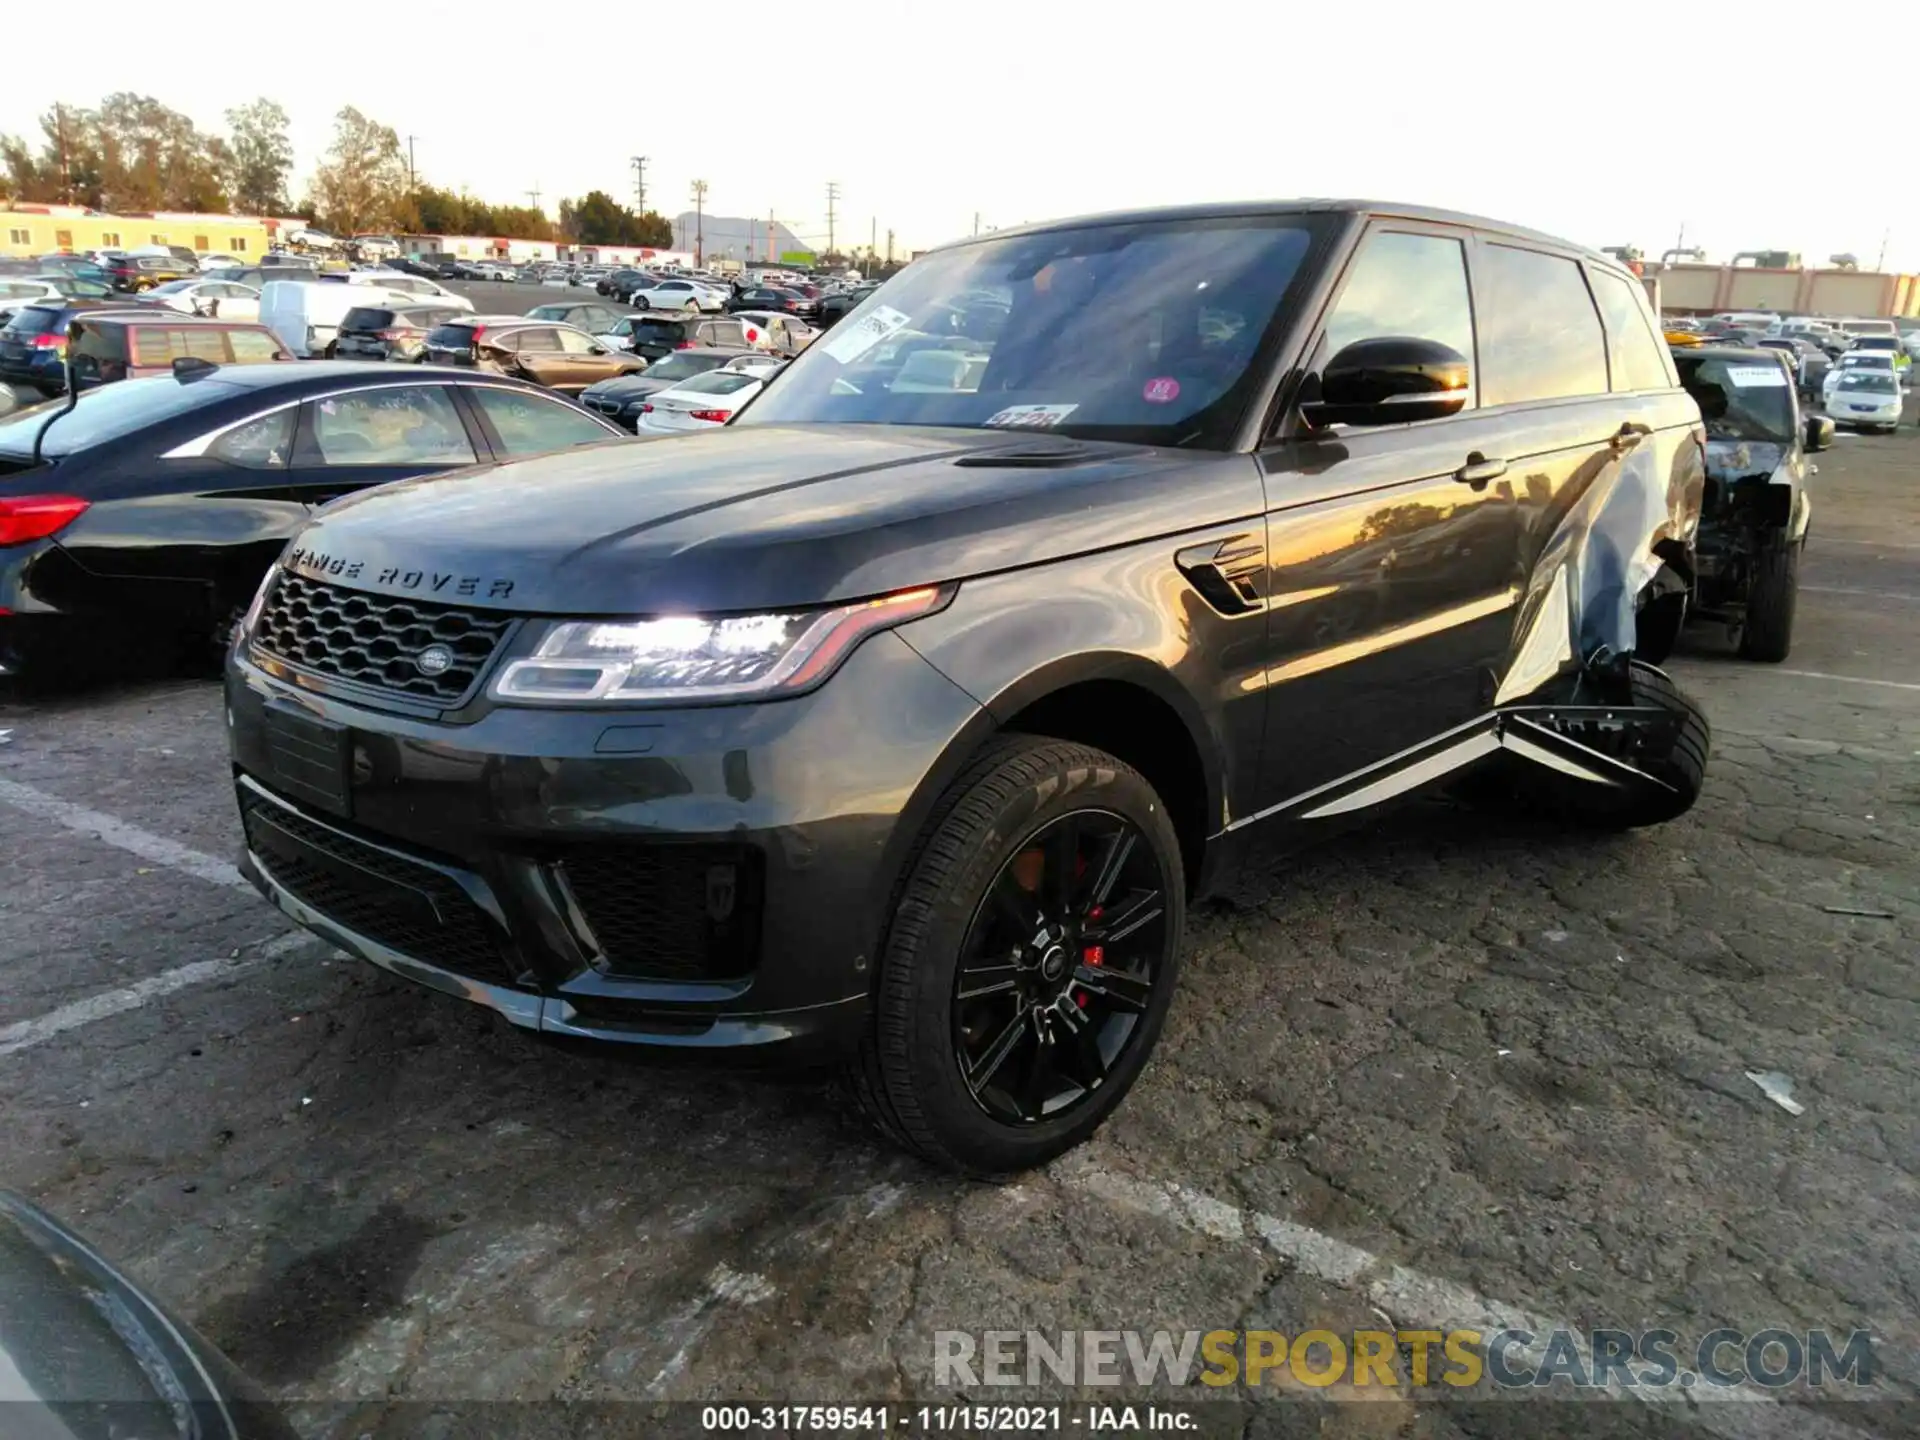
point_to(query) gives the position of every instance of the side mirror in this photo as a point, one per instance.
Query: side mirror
(1819, 433)
(1388, 381)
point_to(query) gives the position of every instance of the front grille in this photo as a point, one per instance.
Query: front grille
(377, 641)
(404, 906)
(670, 912)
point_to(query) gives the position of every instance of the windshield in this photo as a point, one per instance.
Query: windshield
(1740, 400)
(1885, 344)
(1868, 382)
(35, 320)
(716, 382)
(107, 413)
(1144, 332)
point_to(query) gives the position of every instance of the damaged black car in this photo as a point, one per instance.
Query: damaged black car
(1756, 510)
(899, 721)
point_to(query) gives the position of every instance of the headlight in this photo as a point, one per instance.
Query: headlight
(696, 658)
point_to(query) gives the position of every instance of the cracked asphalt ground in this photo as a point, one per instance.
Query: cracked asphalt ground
(1505, 1065)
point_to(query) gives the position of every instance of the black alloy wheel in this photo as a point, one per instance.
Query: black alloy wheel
(1030, 960)
(1059, 966)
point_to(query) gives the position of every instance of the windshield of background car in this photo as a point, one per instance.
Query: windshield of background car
(1140, 332)
(1740, 399)
(1868, 382)
(657, 330)
(677, 367)
(107, 413)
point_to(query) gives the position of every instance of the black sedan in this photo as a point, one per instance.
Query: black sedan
(774, 297)
(139, 522)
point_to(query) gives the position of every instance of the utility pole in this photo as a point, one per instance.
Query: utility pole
(889, 248)
(699, 223)
(640, 184)
(833, 196)
(771, 222)
(410, 179)
(533, 195)
(66, 176)
(1885, 235)
(873, 235)
(976, 222)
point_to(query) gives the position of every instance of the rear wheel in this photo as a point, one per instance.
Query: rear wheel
(1030, 962)
(1682, 767)
(1767, 631)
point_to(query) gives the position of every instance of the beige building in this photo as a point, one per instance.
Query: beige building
(1714, 289)
(47, 229)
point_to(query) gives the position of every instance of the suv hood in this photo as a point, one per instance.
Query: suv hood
(760, 517)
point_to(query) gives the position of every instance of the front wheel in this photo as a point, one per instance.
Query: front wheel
(1766, 633)
(1030, 962)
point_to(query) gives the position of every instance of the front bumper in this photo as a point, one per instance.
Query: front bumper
(700, 879)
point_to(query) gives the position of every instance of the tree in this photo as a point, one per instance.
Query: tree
(363, 184)
(650, 227)
(598, 219)
(259, 159)
(154, 158)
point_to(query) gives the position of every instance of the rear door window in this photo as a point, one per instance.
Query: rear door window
(203, 342)
(573, 342)
(1540, 336)
(1405, 284)
(262, 444)
(450, 337)
(391, 425)
(532, 424)
(253, 347)
(538, 337)
(153, 346)
(1639, 361)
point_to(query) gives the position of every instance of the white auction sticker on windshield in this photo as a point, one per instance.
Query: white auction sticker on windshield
(1748, 376)
(853, 338)
(1031, 417)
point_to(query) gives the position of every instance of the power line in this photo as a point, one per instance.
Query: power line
(534, 196)
(833, 196)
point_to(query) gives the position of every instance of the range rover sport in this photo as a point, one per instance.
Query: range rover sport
(900, 720)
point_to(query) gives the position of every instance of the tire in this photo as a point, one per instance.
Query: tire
(907, 1074)
(1684, 768)
(1767, 632)
(640, 302)
(1657, 627)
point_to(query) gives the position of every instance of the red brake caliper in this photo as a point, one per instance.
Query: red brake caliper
(1092, 955)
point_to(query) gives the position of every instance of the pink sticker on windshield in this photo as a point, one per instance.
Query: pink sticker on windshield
(1161, 390)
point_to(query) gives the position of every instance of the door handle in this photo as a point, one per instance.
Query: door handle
(1630, 434)
(1479, 470)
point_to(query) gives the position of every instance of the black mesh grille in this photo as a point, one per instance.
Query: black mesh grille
(411, 908)
(375, 640)
(670, 912)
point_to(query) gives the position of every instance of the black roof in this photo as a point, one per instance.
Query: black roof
(1227, 209)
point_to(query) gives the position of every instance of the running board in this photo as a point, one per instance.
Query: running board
(1534, 733)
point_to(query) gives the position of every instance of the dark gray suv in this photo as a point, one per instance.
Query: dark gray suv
(901, 719)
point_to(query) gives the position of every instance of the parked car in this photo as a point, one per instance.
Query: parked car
(78, 266)
(1867, 399)
(620, 400)
(306, 314)
(834, 308)
(784, 335)
(702, 402)
(1851, 361)
(226, 299)
(652, 337)
(1755, 508)
(494, 270)
(220, 260)
(110, 346)
(158, 504)
(88, 1353)
(622, 282)
(597, 319)
(557, 356)
(143, 272)
(185, 256)
(31, 289)
(33, 342)
(1888, 345)
(776, 298)
(389, 332)
(416, 288)
(675, 295)
(904, 725)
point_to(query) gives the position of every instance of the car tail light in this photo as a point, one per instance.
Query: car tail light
(52, 340)
(683, 345)
(646, 409)
(712, 417)
(34, 517)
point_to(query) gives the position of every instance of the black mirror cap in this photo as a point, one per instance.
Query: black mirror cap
(1819, 432)
(1390, 380)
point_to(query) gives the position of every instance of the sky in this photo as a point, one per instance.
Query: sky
(1608, 125)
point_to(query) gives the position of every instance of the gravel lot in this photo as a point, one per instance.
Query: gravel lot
(1505, 1064)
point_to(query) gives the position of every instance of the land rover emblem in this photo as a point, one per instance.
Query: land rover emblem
(434, 660)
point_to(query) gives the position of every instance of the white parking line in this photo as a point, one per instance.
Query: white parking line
(1868, 594)
(1413, 1300)
(1848, 679)
(25, 1034)
(121, 835)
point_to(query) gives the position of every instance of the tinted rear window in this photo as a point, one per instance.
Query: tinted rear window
(660, 329)
(450, 337)
(108, 413)
(365, 318)
(34, 320)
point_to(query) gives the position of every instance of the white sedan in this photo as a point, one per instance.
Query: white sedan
(414, 287)
(227, 299)
(1868, 360)
(675, 295)
(703, 402)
